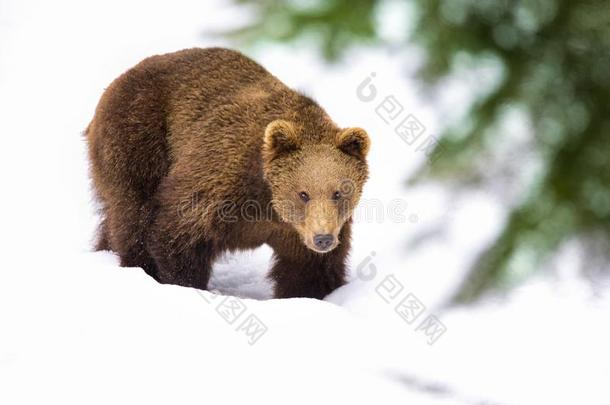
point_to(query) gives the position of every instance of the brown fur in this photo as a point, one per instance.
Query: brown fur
(183, 145)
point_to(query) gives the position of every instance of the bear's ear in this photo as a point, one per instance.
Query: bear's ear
(354, 142)
(280, 138)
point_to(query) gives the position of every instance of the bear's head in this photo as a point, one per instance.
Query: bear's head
(315, 181)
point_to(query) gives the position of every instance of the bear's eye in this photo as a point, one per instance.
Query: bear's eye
(304, 196)
(336, 196)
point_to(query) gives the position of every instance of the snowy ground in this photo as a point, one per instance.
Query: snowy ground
(76, 328)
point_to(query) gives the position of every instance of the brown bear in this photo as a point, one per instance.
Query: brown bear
(203, 151)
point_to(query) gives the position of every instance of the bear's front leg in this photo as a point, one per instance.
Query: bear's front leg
(300, 272)
(184, 264)
(182, 254)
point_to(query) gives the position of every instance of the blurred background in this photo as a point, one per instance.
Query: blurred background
(533, 129)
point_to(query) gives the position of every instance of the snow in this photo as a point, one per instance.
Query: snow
(77, 328)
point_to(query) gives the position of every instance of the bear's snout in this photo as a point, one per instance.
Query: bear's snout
(323, 242)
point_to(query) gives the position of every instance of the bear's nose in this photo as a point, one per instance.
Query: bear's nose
(323, 242)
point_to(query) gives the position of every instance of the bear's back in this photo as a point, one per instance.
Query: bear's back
(209, 73)
(205, 89)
